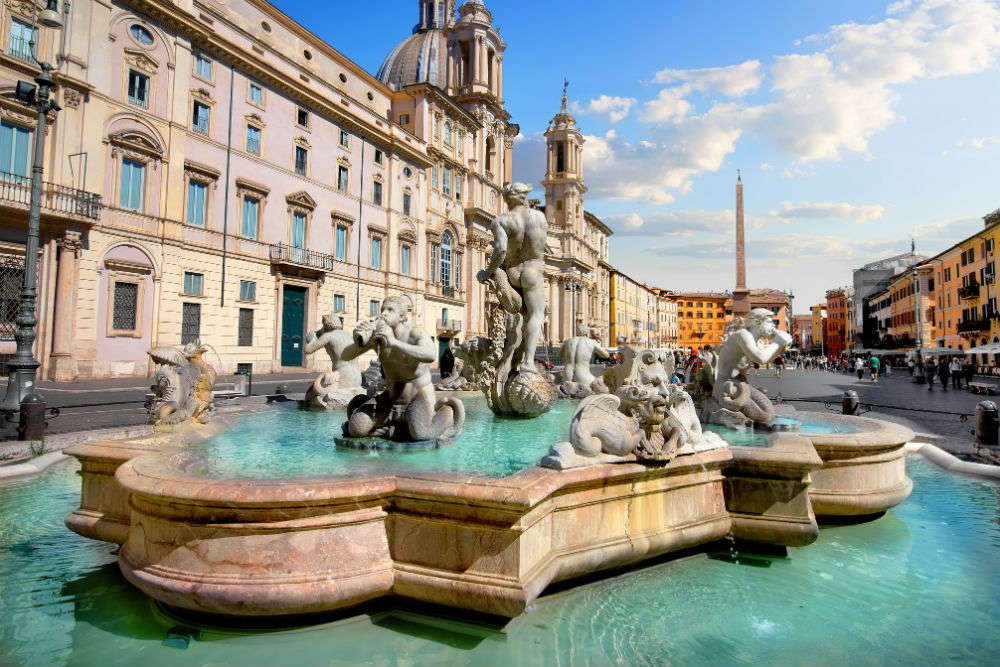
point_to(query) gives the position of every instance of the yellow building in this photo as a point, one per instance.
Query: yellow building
(818, 313)
(701, 318)
(633, 312)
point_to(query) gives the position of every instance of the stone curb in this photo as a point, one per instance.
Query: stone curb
(31, 467)
(952, 463)
(20, 450)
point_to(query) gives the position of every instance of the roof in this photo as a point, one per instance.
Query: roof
(886, 263)
(420, 58)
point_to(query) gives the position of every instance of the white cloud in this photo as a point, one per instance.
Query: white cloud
(828, 210)
(731, 81)
(766, 166)
(979, 143)
(675, 224)
(669, 105)
(615, 109)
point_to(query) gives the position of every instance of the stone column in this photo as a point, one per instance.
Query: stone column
(63, 364)
(500, 79)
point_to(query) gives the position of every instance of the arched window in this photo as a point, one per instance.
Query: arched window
(446, 242)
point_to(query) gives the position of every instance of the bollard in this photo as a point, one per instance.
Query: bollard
(32, 420)
(986, 423)
(850, 402)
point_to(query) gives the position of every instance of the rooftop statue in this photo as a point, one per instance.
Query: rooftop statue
(407, 410)
(733, 401)
(182, 386)
(514, 277)
(577, 352)
(336, 387)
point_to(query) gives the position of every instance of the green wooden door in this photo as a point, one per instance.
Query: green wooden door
(293, 311)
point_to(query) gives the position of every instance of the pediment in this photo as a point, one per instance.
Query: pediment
(301, 198)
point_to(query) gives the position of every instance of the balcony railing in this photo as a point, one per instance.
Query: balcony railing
(448, 291)
(969, 326)
(302, 256)
(449, 325)
(61, 198)
(970, 291)
(20, 48)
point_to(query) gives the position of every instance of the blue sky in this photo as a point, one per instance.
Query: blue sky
(857, 125)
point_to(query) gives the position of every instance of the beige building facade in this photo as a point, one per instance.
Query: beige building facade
(218, 173)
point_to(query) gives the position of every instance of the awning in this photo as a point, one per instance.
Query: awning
(991, 348)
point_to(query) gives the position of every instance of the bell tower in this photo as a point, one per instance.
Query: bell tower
(435, 14)
(564, 188)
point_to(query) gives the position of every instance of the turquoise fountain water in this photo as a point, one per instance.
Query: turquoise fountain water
(291, 443)
(917, 586)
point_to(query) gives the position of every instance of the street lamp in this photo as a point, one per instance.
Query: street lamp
(23, 366)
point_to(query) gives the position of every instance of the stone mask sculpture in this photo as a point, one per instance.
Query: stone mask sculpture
(182, 386)
(514, 277)
(645, 418)
(733, 401)
(336, 387)
(407, 410)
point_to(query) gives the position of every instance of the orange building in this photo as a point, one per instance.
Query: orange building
(701, 318)
(912, 310)
(778, 302)
(835, 335)
(802, 332)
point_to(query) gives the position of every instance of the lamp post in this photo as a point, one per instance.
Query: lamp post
(23, 366)
(573, 286)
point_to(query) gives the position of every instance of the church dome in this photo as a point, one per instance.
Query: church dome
(420, 58)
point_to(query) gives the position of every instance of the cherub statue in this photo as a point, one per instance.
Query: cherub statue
(336, 387)
(577, 352)
(734, 401)
(407, 410)
(183, 384)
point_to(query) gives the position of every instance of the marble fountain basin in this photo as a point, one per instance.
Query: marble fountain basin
(262, 545)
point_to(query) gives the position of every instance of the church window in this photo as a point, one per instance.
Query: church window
(446, 241)
(560, 157)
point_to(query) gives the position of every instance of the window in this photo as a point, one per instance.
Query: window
(302, 117)
(404, 119)
(193, 283)
(458, 187)
(458, 270)
(446, 188)
(434, 177)
(301, 158)
(406, 203)
(345, 139)
(133, 175)
(141, 35)
(199, 117)
(446, 241)
(444, 314)
(342, 178)
(203, 66)
(447, 132)
(190, 322)
(251, 214)
(376, 252)
(437, 126)
(373, 308)
(197, 193)
(253, 140)
(404, 260)
(244, 336)
(22, 36)
(338, 303)
(435, 254)
(15, 144)
(298, 229)
(124, 314)
(248, 290)
(340, 243)
(378, 156)
(138, 89)
(256, 94)
(377, 193)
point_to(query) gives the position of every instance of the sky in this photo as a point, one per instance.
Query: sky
(857, 125)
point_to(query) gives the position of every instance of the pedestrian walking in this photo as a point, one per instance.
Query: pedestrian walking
(873, 365)
(859, 368)
(779, 365)
(969, 370)
(955, 367)
(944, 373)
(930, 374)
(910, 364)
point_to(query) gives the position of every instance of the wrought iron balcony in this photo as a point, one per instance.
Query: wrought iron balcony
(970, 326)
(970, 291)
(448, 291)
(16, 189)
(449, 325)
(286, 254)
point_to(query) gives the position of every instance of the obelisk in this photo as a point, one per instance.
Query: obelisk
(741, 295)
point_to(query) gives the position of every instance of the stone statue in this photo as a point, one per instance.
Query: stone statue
(407, 410)
(373, 379)
(335, 388)
(514, 276)
(645, 418)
(578, 381)
(468, 358)
(182, 386)
(753, 339)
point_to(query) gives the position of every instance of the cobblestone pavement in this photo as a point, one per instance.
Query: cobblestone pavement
(894, 398)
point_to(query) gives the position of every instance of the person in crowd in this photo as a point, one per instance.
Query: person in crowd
(859, 368)
(779, 365)
(910, 364)
(955, 368)
(969, 370)
(873, 365)
(944, 373)
(930, 373)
